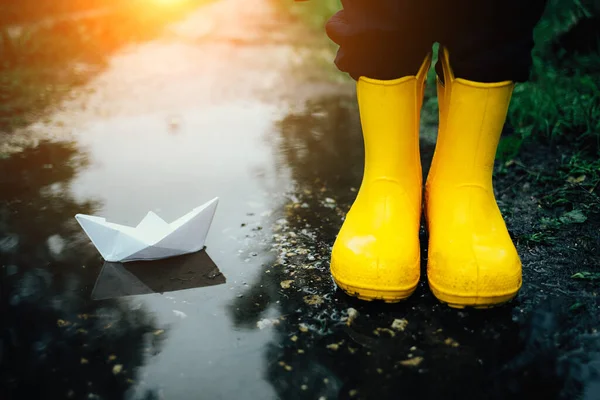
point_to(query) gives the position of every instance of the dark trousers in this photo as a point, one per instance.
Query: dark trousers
(488, 40)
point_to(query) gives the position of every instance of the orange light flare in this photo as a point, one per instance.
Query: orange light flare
(166, 9)
(169, 2)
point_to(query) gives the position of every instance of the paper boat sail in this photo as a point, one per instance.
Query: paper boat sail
(152, 238)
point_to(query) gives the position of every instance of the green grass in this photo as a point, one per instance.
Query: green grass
(555, 107)
(585, 275)
(560, 103)
(577, 178)
(314, 12)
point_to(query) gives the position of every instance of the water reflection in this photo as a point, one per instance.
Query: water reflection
(322, 145)
(331, 346)
(54, 342)
(308, 144)
(37, 221)
(168, 275)
(57, 345)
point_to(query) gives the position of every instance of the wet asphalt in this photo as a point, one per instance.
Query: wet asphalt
(168, 126)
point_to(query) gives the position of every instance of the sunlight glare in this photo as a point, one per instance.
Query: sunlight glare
(169, 2)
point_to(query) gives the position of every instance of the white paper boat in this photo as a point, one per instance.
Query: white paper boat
(152, 238)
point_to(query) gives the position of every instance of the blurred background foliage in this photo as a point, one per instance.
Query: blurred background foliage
(48, 47)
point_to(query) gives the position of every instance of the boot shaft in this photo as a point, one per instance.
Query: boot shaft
(390, 117)
(472, 116)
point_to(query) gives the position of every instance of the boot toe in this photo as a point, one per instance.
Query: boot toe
(380, 265)
(477, 276)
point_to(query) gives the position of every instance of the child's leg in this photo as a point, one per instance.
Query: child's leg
(382, 39)
(490, 41)
(471, 258)
(376, 254)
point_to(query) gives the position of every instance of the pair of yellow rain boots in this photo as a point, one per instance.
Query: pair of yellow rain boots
(472, 260)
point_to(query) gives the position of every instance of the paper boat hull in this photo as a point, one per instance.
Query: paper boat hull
(153, 238)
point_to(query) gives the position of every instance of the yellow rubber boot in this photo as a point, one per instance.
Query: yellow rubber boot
(472, 260)
(376, 254)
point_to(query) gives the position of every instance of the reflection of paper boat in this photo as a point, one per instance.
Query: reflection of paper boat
(144, 277)
(152, 238)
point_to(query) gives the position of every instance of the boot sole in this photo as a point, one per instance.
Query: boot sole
(477, 302)
(371, 294)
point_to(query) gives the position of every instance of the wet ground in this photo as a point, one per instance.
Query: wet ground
(217, 107)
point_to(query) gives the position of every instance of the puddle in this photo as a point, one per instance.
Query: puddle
(173, 274)
(277, 328)
(169, 126)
